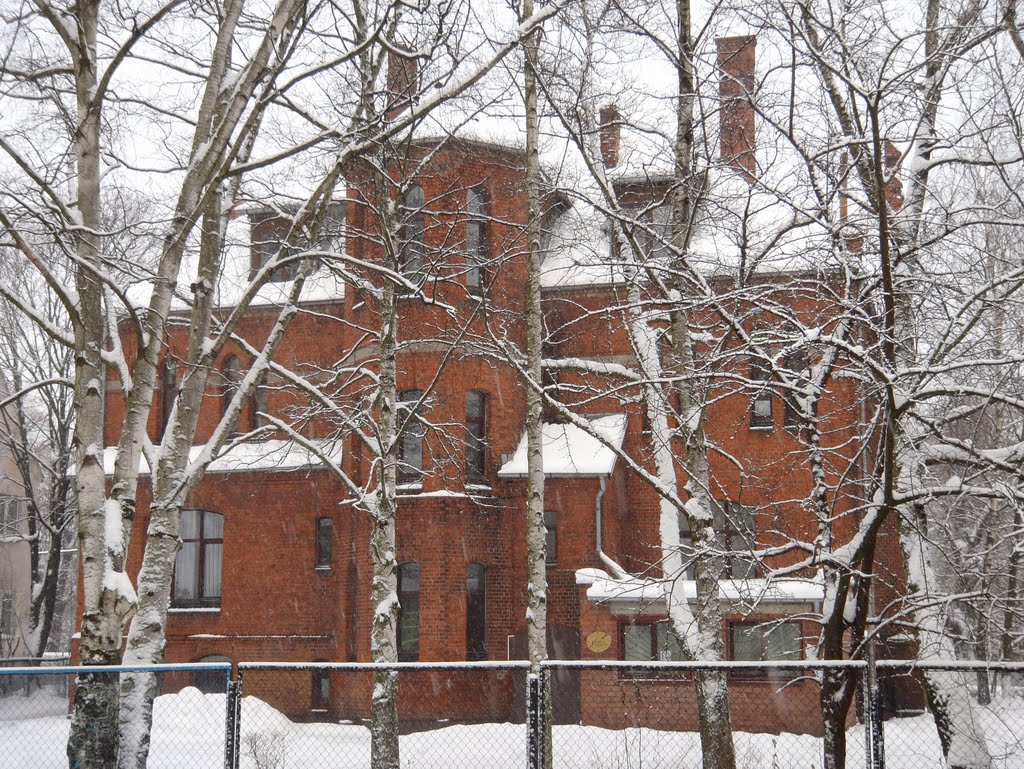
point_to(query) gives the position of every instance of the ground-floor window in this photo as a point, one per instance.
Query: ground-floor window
(409, 613)
(650, 642)
(765, 641)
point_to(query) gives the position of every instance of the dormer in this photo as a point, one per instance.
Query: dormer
(268, 229)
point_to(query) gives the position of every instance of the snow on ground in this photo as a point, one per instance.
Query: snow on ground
(189, 732)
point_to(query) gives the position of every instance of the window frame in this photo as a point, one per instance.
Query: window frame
(277, 223)
(324, 548)
(477, 249)
(725, 514)
(412, 251)
(761, 398)
(320, 689)
(476, 613)
(231, 378)
(406, 411)
(168, 391)
(798, 364)
(653, 627)
(408, 604)
(10, 516)
(476, 437)
(764, 628)
(550, 539)
(201, 601)
(8, 616)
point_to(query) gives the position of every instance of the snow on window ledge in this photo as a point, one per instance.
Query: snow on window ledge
(194, 610)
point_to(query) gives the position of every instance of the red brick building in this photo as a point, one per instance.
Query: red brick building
(275, 563)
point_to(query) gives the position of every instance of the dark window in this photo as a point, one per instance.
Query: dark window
(735, 537)
(324, 542)
(652, 229)
(269, 230)
(766, 642)
(409, 612)
(650, 642)
(550, 538)
(211, 681)
(231, 378)
(259, 402)
(476, 240)
(476, 612)
(10, 516)
(761, 399)
(410, 445)
(197, 569)
(412, 230)
(320, 696)
(7, 616)
(793, 412)
(476, 437)
(168, 391)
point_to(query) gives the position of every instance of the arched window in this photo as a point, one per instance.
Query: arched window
(476, 612)
(231, 377)
(320, 696)
(259, 402)
(409, 612)
(168, 391)
(476, 436)
(410, 446)
(476, 239)
(413, 227)
(212, 681)
(197, 568)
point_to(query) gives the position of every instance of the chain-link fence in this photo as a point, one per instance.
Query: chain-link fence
(449, 715)
(190, 717)
(495, 715)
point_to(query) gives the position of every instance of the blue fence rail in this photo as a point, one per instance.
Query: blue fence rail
(498, 715)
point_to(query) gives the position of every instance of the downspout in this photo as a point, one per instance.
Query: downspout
(616, 571)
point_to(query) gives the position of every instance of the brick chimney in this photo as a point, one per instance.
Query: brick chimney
(403, 83)
(735, 90)
(610, 126)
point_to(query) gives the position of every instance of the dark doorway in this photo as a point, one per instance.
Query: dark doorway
(563, 644)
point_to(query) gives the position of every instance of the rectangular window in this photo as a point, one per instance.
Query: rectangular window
(792, 399)
(324, 542)
(734, 531)
(410, 444)
(735, 536)
(198, 566)
(476, 612)
(409, 612)
(476, 437)
(7, 616)
(761, 400)
(650, 642)
(764, 642)
(551, 538)
(10, 516)
(321, 693)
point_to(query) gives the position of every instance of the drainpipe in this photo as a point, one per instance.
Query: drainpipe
(616, 571)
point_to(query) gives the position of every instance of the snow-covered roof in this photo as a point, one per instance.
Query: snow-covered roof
(267, 456)
(638, 594)
(571, 451)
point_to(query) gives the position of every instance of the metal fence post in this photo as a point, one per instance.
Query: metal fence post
(534, 737)
(232, 746)
(875, 707)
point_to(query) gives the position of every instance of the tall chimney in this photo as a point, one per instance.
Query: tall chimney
(403, 83)
(735, 90)
(610, 125)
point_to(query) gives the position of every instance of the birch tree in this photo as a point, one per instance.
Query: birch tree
(76, 61)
